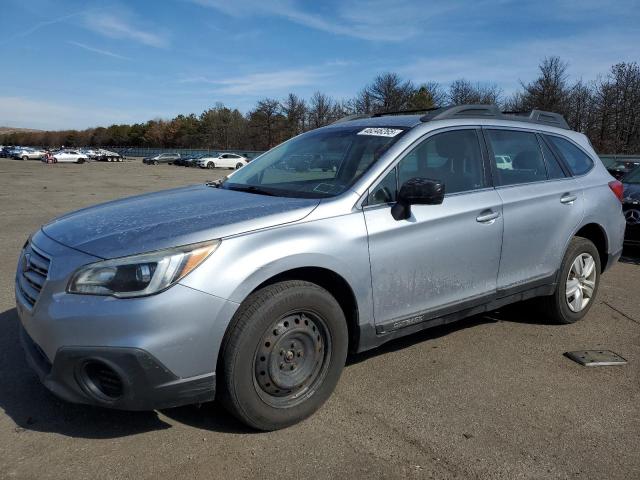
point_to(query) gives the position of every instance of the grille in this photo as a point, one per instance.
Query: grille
(33, 271)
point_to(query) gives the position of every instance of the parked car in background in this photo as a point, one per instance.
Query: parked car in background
(27, 153)
(223, 160)
(620, 168)
(256, 292)
(102, 155)
(11, 152)
(189, 160)
(631, 207)
(69, 156)
(161, 158)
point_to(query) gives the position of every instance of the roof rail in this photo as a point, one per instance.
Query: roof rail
(473, 111)
(492, 111)
(348, 118)
(404, 112)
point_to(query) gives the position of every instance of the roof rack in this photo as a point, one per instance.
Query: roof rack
(492, 111)
(348, 118)
(404, 112)
(473, 111)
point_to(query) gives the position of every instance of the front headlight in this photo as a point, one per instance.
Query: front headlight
(140, 275)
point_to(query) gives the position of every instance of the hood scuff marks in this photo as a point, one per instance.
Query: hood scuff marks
(170, 218)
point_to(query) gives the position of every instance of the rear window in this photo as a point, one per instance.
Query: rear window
(578, 162)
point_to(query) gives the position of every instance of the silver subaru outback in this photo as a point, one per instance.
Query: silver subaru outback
(255, 288)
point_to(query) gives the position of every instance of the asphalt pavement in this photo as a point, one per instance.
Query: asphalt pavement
(490, 397)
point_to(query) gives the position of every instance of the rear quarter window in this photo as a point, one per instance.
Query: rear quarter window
(576, 160)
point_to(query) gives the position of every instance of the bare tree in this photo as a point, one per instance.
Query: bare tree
(388, 92)
(322, 110)
(294, 109)
(550, 90)
(263, 120)
(463, 92)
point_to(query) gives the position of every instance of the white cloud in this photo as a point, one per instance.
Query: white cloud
(373, 20)
(260, 83)
(39, 25)
(588, 56)
(97, 50)
(118, 25)
(32, 113)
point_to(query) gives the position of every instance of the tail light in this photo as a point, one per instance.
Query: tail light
(617, 188)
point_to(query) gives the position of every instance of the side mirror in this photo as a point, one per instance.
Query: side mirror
(417, 191)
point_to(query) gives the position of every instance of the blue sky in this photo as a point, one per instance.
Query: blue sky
(76, 64)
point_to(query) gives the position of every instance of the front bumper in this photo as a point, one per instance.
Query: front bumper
(161, 348)
(136, 380)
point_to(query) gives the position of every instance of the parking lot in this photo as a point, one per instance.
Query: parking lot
(489, 397)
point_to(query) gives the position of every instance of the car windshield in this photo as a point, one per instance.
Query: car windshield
(318, 164)
(633, 177)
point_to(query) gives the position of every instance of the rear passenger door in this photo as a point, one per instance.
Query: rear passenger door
(542, 205)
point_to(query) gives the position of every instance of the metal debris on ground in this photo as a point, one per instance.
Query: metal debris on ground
(596, 358)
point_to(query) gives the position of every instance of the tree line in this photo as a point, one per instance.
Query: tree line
(607, 109)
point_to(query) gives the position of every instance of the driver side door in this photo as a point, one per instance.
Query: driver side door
(443, 258)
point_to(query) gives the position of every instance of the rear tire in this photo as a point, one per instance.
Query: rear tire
(80, 160)
(578, 283)
(239, 165)
(282, 355)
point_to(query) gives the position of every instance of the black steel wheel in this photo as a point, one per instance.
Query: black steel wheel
(282, 355)
(292, 358)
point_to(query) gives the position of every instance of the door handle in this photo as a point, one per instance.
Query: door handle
(488, 216)
(568, 198)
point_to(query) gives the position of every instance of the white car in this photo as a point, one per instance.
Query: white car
(29, 154)
(69, 156)
(223, 160)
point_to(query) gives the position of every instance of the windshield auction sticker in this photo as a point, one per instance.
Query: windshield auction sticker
(380, 132)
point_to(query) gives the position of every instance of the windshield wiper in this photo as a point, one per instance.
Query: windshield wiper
(251, 189)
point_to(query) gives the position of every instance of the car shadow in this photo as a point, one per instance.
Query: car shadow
(32, 407)
(523, 312)
(631, 255)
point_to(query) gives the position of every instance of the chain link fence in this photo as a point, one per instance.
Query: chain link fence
(184, 152)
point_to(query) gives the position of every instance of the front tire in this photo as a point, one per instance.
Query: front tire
(283, 354)
(25, 158)
(577, 285)
(211, 165)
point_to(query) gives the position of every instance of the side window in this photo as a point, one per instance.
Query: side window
(385, 191)
(452, 157)
(577, 161)
(517, 157)
(554, 170)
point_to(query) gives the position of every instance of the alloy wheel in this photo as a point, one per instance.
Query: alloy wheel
(581, 282)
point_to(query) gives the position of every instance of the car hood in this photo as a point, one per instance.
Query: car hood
(170, 218)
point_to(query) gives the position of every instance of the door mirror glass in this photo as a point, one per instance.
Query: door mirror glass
(417, 191)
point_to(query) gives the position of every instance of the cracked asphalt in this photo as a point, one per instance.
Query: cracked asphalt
(490, 397)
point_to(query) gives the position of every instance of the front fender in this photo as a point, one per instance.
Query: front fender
(242, 263)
